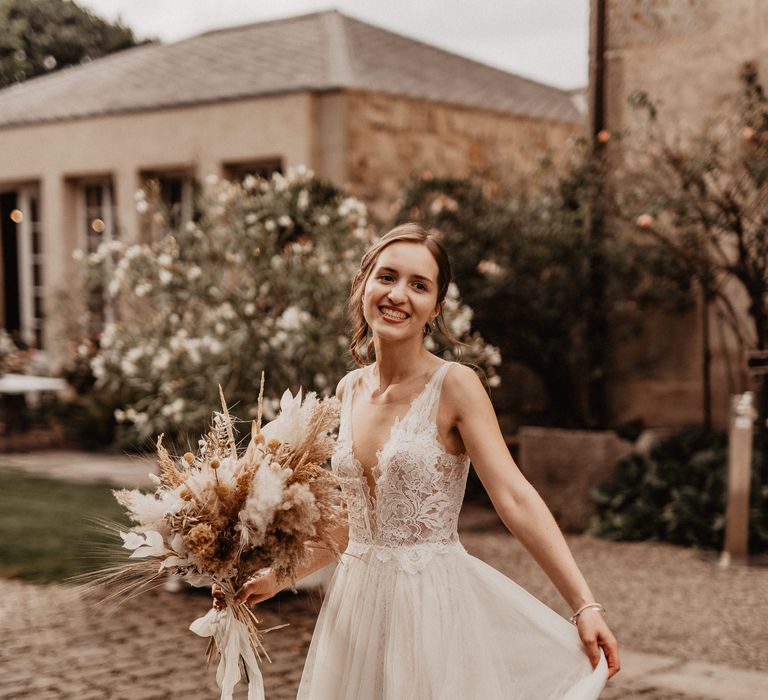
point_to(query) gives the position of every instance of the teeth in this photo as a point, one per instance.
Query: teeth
(399, 315)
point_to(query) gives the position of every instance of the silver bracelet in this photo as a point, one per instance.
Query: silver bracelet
(596, 606)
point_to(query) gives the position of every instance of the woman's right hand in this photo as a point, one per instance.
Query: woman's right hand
(256, 589)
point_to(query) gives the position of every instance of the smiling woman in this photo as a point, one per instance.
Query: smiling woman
(405, 271)
(408, 611)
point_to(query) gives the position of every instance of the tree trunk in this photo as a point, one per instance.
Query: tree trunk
(564, 407)
(760, 316)
(706, 360)
(596, 322)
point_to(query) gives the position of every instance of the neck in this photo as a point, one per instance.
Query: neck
(397, 362)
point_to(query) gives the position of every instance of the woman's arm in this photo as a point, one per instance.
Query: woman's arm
(519, 505)
(322, 556)
(264, 586)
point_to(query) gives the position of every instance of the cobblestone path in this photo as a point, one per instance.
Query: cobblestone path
(55, 646)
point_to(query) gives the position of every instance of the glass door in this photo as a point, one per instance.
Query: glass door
(30, 249)
(98, 224)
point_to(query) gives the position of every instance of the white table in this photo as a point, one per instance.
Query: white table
(23, 390)
(25, 383)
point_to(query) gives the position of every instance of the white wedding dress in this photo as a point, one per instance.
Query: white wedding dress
(409, 614)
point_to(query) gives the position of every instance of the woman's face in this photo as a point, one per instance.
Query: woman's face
(400, 295)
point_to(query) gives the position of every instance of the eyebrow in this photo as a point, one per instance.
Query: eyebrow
(384, 268)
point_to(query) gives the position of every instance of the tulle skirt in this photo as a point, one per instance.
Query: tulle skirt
(455, 629)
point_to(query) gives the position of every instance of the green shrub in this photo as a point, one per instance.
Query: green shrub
(526, 266)
(677, 494)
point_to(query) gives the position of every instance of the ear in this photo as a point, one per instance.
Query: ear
(437, 310)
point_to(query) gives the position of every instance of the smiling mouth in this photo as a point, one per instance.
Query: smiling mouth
(393, 314)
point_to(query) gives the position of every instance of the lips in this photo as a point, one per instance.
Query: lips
(393, 314)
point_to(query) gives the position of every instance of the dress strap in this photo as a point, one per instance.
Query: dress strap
(350, 385)
(434, 393)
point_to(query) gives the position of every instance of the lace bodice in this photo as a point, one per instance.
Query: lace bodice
(419, 487)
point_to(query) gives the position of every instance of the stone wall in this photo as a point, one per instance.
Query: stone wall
(685, 53)
(657, 376)
(390, 137)
(687, 56)
(564, 465)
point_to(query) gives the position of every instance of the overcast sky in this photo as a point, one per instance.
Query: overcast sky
(546, 40)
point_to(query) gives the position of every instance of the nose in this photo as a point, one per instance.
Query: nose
(396, 294)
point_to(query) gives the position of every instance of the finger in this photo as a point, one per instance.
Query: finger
(245, 590)
(593, 651)
(243, 594)
(240, 593)
(611, 649)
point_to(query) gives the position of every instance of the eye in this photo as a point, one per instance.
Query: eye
(385, 277)
(420, 286)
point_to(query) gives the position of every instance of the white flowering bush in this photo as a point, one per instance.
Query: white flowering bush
(475, 350)
(258, 282)
(7, 348)
(21, 360)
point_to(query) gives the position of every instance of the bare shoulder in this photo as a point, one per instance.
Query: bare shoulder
(340, 387)
(342, 384)
(462, 389)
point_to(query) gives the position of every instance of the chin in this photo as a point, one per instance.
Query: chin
(384, 330)
(395, 334)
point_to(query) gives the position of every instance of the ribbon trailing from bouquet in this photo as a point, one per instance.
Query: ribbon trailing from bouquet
(231, 637)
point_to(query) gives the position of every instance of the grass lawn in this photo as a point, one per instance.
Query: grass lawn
(46, 526)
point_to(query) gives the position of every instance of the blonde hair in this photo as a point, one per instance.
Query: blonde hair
(361, 346)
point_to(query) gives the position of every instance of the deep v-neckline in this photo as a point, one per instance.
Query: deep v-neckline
(375, 470)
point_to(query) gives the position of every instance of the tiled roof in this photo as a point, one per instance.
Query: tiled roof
(315, 52)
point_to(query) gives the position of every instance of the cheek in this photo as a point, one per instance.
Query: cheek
(428, 304)
(367, 292)
(369, 298)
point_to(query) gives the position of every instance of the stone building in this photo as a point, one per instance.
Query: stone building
(359, 105)
(687, 55)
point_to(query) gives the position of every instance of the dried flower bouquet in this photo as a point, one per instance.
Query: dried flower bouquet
(220, 517)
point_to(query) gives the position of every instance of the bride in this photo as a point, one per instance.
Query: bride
(409, 613)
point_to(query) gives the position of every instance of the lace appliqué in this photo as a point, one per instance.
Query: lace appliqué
(419, 487)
